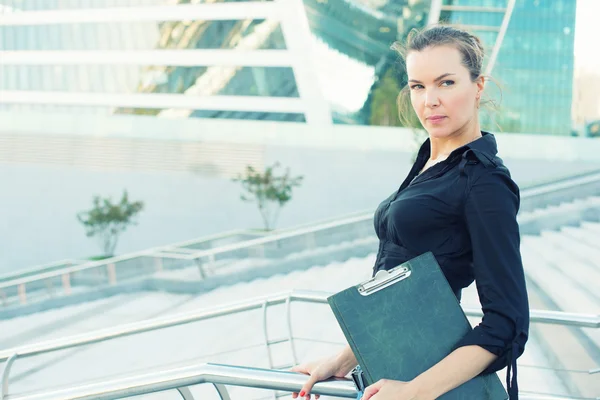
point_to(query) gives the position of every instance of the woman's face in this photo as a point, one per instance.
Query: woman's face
(441, 91)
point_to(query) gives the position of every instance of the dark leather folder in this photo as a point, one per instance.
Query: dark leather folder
(403, 321)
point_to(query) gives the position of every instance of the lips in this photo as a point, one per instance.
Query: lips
(435, 118)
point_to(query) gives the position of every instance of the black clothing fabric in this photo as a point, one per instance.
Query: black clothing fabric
(464, 210)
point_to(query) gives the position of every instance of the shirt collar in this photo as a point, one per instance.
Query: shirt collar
(485, 146)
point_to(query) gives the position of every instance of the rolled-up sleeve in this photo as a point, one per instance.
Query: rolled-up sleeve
(491, 218)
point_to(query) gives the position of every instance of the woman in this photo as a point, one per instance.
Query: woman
(460, 203)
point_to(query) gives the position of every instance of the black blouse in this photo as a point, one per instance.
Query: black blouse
(464, 210)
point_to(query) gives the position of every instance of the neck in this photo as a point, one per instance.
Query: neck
(442, 147)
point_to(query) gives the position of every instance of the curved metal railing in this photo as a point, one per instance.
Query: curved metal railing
(358, 225)
(536, 316)
(182, 378)
(149, 261)
(12, 355)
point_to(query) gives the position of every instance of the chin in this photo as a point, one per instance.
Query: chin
(440, 132)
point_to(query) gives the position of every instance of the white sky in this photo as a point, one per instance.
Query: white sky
(587, 30)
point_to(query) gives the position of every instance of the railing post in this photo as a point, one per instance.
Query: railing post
(288, 310)
(222, 390)
(311, 240)
(5, 375)
(257, 251)
(200, 268)
(158, 264)
(112, 273)
(22, 293)
(211, 264)
(50, 287)
(66, 282)
(265, 305)
(186, 393)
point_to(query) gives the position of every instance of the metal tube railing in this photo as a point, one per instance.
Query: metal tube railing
(570, 319)
(530, 194)
(157, 252)
(35, 270)
(161, 322)
(113, 260)
(540, 316)
(182, 378)
(560, 184)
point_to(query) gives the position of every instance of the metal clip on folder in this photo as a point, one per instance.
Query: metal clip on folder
(383, 279)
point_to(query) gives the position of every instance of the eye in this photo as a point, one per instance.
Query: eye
(447, 83)
(416, 86)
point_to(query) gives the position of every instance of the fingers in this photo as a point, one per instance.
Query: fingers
(372, 390)
(307, 397)
(295, 395)
(305, 392)
(307, 369)
(369, 392)
(301, 369)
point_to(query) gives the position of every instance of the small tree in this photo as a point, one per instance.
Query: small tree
(270, 191)
(107, 221)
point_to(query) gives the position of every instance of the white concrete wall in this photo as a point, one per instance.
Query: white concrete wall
(347, 169)
(522, 146)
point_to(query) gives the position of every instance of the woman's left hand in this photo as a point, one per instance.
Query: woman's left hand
(387, 389)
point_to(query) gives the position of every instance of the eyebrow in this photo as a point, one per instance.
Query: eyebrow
(435, 80)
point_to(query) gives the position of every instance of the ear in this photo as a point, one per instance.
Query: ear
(480, 82)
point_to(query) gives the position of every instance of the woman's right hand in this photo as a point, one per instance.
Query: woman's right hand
(318, 371)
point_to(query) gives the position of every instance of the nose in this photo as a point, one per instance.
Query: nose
(431, 98)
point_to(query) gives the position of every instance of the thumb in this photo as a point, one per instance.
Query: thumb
(308, 386)
(372, 390)
(300, 368)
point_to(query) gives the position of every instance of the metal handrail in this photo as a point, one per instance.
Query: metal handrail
(526, 193)
(540, 316)
(100, 263)
(187, 242)
(560, 184)
(40, 268)
(5, 374)
(183, 377)
(159, 323)
(197, 255)
(277, 237)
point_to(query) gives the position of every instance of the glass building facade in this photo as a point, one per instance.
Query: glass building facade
(356, 71)
(350, 39)
(535, 63)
